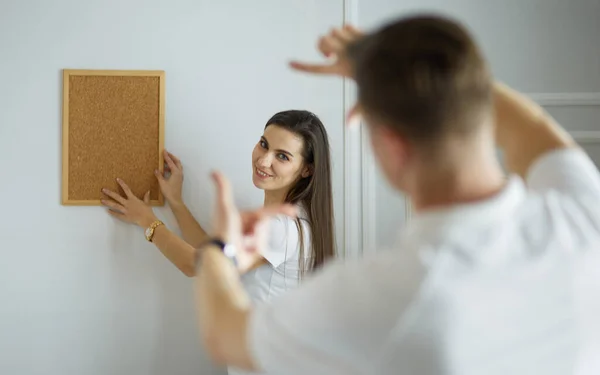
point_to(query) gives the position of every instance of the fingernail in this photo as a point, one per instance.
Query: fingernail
(118, 180)
(103, 190)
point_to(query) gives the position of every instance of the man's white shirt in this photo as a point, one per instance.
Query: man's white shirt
(509, 285)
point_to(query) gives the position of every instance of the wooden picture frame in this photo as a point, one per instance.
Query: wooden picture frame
(113, 124)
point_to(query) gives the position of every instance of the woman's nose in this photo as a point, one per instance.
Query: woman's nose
(265, 161)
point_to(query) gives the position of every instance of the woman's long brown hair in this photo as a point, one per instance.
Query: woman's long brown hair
(314, 192)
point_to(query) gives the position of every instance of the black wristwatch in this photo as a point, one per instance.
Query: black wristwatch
(226, 248)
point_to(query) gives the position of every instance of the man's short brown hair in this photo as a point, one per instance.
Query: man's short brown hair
(424, 76)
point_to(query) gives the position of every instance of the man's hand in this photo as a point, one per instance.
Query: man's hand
(247, 231)
(332, 46)
(223, 305)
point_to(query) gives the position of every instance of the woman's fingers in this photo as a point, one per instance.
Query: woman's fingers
(125, 188)
(159, 176)
(176, 160)
(113, 206)
(169, 161)
(114, 196)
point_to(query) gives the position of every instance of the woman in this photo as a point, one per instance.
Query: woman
(291, 163)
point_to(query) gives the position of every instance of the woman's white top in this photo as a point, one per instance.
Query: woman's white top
(281, 273)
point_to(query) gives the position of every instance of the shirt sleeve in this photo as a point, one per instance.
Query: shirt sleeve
(569, 171)
(283, 240)
(335, 323)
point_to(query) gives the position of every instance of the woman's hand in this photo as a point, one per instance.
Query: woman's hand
(171, 182)
(130, 208)
(246, 231)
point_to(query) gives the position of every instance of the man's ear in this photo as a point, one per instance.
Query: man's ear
(391, 140)
(392, 149)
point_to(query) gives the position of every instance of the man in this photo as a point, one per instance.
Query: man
(495, 274)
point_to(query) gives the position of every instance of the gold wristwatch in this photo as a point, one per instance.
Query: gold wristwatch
(150, 230)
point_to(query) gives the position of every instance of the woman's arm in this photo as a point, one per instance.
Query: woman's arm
(171, 185)
(191, 230)
(133, 210)
(175, 249)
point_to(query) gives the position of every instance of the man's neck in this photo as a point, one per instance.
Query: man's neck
(471, 182)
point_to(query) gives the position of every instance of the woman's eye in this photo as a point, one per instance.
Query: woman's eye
(263, 144)
(282, 156)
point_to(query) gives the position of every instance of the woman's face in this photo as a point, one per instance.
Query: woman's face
(277, 160)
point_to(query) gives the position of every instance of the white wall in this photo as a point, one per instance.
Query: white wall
(79, 292)
(537, 46)
(83, 294)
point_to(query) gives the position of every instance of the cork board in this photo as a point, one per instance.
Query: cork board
(113, 127)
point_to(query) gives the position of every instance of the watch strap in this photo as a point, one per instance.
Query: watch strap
(224, 247)
(150, 230)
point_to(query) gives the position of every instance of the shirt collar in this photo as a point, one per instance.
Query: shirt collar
(467, 215)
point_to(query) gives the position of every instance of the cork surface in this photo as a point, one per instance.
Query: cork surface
(113, 131)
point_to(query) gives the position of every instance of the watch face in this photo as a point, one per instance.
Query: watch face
(229, 251)
(148, 232)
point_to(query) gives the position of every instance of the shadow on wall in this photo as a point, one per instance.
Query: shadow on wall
(158, 328)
